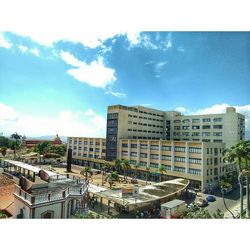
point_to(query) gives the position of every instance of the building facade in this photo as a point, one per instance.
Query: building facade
(144, 123)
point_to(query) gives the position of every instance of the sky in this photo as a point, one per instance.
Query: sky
(61, 81)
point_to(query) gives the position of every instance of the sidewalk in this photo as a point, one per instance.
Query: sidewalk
(236, 210)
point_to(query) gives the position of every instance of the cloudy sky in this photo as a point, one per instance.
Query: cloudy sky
(62, 80)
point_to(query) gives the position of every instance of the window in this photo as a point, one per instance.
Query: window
(179, 149)
(217, 126)
(195, 127)
(177, 127)
(154, 165)
(166, 157)
(134, 154)
(195, 120)
(124, 145)
(124, 153)
(133, 145)
(177, 121)
(166, 148)
(179, 169)
(206, 120)
(206, 127)
(195, 160)
(217, 133)
(154, 156)
(195, 134)
(217, 119)
(179, 159)
(185, 133)
(194, 171)
(152, 147)
(185, 127)
(195, 150)
(205, 133)
(143, 155)
(143, 163)
(186, 120)
(167, 167)
(217, 140)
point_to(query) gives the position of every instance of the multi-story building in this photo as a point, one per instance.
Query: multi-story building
(144, 123)
(151, 138)
(200, 162)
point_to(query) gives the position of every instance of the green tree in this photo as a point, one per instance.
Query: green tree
(4, 141)
(3, 150)
(17, 138)
(240, 154)
(42, 147)
(87, 171)
(106, 166)
(125, 166)
(136, 169)
(112, 177)
(147, 173)
(118, 165)
(56, 149)
(161, 171)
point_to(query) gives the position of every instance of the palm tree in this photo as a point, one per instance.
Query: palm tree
(118, 165)
(125, 167)
(86, 171)
(136, 169)
(161, 171)
(111, 178)
(17, 137)
(106, 166)
(238, 154)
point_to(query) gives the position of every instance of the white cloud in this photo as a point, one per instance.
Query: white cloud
(7, 113)
(94, 74)
(159, 66)
(181, 109)
(23, 48)
(35, 52)
(4, 43)
(66, 123)
(116, 94)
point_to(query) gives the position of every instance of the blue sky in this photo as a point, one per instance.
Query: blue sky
(63, 85)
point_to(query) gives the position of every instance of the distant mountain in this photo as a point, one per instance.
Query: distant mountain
(48, 137)
(247, 135)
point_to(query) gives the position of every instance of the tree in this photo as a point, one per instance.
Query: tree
(136, 169)
(3, 151)
(111, 178)
(42, 147)
(16, 137)
(125, 166)
(4, 141)
(86, 171)
(240, 154)
(106, 166)
(118, 165)
(161, 171)
(196, 212)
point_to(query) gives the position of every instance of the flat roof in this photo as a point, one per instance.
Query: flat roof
(173, 203)
(29, 167)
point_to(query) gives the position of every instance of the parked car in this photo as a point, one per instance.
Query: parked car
(210, 198)
(202, 202)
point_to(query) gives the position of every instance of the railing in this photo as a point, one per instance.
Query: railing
(49, 196)
(64, 177)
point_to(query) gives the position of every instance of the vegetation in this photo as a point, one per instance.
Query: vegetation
(17, 139)
(125, 166)
(3, 215)
(161, 171)
(111, 178)
(106, 166)
(3, 150)
(89, 215)
(47, 148)
(87, 171)
(196, 212)
(240, 154)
